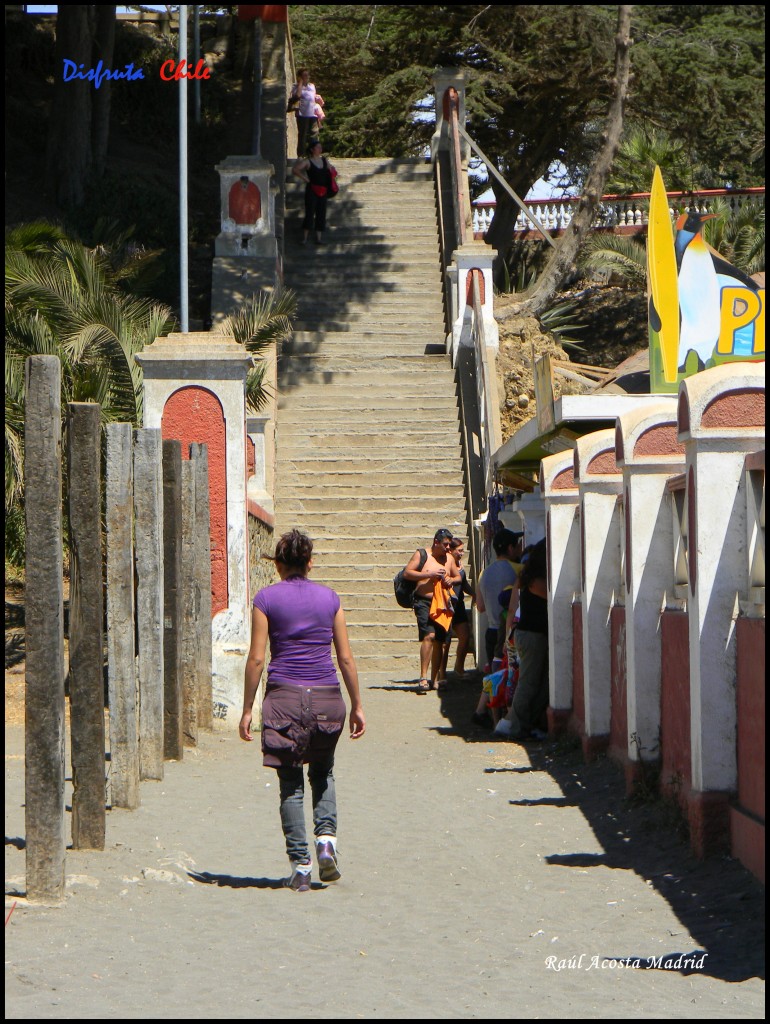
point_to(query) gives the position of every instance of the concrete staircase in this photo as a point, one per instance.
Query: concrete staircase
(369, 459)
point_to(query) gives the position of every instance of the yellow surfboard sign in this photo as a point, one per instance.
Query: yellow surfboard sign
(662, 276)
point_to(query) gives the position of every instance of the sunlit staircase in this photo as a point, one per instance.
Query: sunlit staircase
(368, 458)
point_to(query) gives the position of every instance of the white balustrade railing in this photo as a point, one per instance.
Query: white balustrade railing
(616, 212)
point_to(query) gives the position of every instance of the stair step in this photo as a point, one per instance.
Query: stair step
(295, 411)
(322, 528)
(419, 523)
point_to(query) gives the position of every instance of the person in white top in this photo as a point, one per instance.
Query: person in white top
(307, 122)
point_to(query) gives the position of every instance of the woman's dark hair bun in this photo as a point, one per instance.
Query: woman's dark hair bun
(294, 550)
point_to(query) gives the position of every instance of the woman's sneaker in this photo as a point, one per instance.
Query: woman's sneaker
(328, 869)
(300, 876)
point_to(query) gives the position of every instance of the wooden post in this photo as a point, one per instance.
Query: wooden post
(173, 737)
(121, 667)
(86, 633)
(44, 633)
(190, 608)
(199, 456)
(148, 540)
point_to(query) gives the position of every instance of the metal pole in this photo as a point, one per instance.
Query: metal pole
(196, 58)
(256, 140)
(183, 232)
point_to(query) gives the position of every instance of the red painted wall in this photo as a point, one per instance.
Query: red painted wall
(676, 769)
(747, 819)
(194, 414)
(750, 637)
(578, 697)
(618, 704)
(251, 458)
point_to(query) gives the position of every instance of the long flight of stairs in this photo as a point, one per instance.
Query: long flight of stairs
(368, 458)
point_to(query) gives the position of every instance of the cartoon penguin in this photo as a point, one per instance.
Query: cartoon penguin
(698, 289)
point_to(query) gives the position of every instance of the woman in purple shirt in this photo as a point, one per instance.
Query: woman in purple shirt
(303, 712)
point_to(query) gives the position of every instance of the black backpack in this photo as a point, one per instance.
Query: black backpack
(405, 588)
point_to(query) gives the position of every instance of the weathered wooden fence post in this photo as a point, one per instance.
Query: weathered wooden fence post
(148, 541)
(190, 608)
(44, 628)
(86, 632)
(121, 670)
(173, 735)
(199, 456)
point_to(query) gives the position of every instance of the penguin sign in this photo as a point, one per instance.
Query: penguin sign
(702, 310)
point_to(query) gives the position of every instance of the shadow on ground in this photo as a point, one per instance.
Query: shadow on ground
(234, 882)
(718, 901)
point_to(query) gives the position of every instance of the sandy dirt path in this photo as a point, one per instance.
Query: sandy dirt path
(467, 865)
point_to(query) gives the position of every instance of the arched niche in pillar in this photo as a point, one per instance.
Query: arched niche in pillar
(194, 414)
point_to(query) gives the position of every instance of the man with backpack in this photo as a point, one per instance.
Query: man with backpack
(422, 571)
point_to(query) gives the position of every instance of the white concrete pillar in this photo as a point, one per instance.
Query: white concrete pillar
(600, 484)
(721, 419)
(527, 514)
(443, 79)
(247, 208)
(471, 257)
(561, 497)
(649, 453)
(190, 368)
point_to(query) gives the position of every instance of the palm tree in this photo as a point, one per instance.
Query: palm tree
(64, 299)
(639, 152)
(264, 320)
(623, 255)
(738, 235)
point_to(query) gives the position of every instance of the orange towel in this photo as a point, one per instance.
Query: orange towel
(441, 610)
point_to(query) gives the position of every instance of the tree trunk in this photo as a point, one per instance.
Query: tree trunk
(500, 230)
(68, 156)
(104, 45)
(562, 259)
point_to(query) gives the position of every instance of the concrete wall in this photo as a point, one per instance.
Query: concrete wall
(747, 818)
(618, 696)
(665, 636)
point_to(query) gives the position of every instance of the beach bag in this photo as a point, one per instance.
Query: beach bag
(404, 589)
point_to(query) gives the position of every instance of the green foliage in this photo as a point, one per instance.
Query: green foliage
(525, 260)
(146, 207)
(538, 81)
(64, 299)
(699, 75)
(560, 320)
(738, 235)
(536, 77)
(625, 256)
(264, 320)
(640, 151)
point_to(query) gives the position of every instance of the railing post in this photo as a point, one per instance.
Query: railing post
(121, 670)
(148, 519)
(44, 628)
(86, 646)
(473, 261)
(173, 737)
(443, 80)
